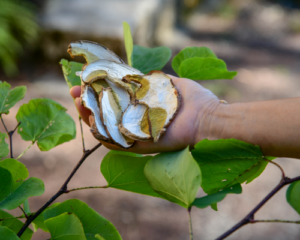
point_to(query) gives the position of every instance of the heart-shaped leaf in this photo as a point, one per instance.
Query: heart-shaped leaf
(175, 176)
(69, 70)
(205, 69)
(214, 198)
(148, 59)
(8, 98)
(46, 122)
(191, 52)
(293, 195)
(125, 171)
(14, 224)
(91, 221)
(226, 162)
(65, 226)
(3, 146)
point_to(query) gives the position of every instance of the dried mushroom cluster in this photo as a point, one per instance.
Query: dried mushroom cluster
(126, 105)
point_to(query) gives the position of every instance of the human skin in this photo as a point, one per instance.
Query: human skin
(273, 125)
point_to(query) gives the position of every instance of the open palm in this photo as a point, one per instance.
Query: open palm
(190, 125)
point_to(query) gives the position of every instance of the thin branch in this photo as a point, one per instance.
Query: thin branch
(277, 165)
(23, 212)
(3, 219)
(61, 191)
(250, 217)
(10, 134)
(82, 188)
(190, 223)
(25, 150)
(82, 138)
(275, 220)
(4, 124)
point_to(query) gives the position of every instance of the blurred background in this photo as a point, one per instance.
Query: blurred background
(259, 39)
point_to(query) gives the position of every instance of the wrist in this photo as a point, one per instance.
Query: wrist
(211, 121)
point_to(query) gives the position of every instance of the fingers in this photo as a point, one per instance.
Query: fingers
(75, 91)
(83, 112)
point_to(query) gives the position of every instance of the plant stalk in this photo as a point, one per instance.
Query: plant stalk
(82, 188)
(250, 217)
(190, 223)
(61, 191)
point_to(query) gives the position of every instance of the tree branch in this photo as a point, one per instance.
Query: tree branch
(250, 217)
(61, 191)
(10, 134)
(190, 223)
(82, 188)
(82, 138)
(275, 220)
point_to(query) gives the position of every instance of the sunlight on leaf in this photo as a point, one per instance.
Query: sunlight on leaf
(65, 226)
(9, 97)
(191, 52)
(46, 122)
(128, 42)
(126, 172)
(69, 70)
(174, 175)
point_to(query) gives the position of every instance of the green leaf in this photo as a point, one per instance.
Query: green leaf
(205, 69)
(127, 173)
(8, 98)
(29, 188)
(128, 42)
(66, 226)
(15, 225)
(214, 206)
(39, 222)
(69, 70)
(97, 236)
(191, 52)
(17, 170)
(226, 162)
(175, 176)
(214, 198)
(3, 146)
(46, 122)
(7, 234)
(148, 59)
(91, 221)
(293, 196)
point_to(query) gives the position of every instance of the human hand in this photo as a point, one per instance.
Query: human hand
(190, 125)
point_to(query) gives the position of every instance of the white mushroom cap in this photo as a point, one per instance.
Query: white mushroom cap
(135, 122)
(90, 101)
(110, 115)
(92, 51)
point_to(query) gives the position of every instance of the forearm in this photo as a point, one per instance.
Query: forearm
(273, 125)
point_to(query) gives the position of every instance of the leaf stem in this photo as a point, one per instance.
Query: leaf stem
(82, 188)
(190, 223)
(277, 165)
(10, 134)
(25, 150)
(275, 220)
(250, 217)
(23, 212)
(82, 137)
(3, 219)
(61, 191)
